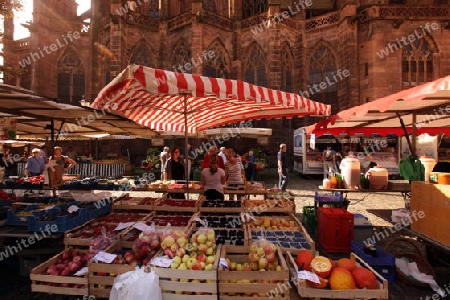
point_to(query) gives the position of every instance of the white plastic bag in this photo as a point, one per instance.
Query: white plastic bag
(136, 285)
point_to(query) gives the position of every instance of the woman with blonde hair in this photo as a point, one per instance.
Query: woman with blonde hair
(213, 179)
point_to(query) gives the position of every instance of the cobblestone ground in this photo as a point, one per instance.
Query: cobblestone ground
(15, 287)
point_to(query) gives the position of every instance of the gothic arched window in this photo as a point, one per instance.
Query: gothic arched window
(287, 65)
(219, 65)
(322, 78)
(255, 66)
(142, 55)
(251, 8)
(181, 57)
(417, 63)
(71, 79)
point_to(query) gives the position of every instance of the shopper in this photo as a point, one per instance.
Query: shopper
(234, 171)
(163, 157)
(223, 154)
(283, 168)
(174, 170)
(213, 179)
(206, 160)
(250, 166)
(35, 164)
(329, 162)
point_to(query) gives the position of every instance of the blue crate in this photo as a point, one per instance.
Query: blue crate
(14, 220)
(384, 263)
(63, 223)
(322, 196)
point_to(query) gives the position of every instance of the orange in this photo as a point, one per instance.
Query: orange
(304, 259)
(321, 266)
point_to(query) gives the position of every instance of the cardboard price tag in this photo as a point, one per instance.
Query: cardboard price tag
(83, 271)
(143, 227)
(121, 226)
(105, 257)
(72, 209)
(308, 275)
(161, 261)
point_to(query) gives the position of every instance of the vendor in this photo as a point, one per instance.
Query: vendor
(35, 163)
(63, 162)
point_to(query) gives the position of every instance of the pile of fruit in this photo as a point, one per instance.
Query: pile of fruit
(262, 257)
(259, 205)
(222, 221)
(343, 274)
(220, 203)
(285, 238)
(272, 223)
(69, 262)
(176, 203)
(143, 249)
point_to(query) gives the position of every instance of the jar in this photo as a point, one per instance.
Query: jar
(350, 171)
(444, 178)
(378, 177)
(429, 163)
(326, 184)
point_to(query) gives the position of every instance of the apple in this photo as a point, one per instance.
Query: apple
(262, 263)
(201, 257)
(174, 247)
(209, 251)
(247, 267)
(174, 265)
(260, 251)
(233, 266)
(169, 253)
(182, 241)
(168, 242)
(191, 261)
(75, 267)
(183, 266)
(193, 254)
(66, 254)
(239, 267)
(254, 266)
(208, 267)
(253, 257)
(66, 272)
(197, 266)
(185, 258)
(270, 257)
(201, 238)
(202, 248)
(128, 257)
(210, 259)
(211, 236)
(180, 252)
(177, 260)
(253, 247)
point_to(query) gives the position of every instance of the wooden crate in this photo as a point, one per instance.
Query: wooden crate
(158, 207)
(238, 291)
(133, 204)
(430, 206)
(101, 275)
(219, 209)
(206, 289)
(307, 292)
(268, 205)
(48, 283)
(70, 240)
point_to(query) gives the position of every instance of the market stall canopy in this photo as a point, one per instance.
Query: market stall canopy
(426, 107)
(169, 101)
(34, 113)
(245, 132)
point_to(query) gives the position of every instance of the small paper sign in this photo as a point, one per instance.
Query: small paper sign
(161, 261)
(223, 263)
(105, 257)
(308, 275)
(83, 271)
(121, 226)
(143, 227)
(73, 208)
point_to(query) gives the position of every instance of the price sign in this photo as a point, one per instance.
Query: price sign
(121, 226)
(143, 227)
(105, 257)
(72, 209)
(83, 271)
(308, 275)
(161, 261)
(223, 263)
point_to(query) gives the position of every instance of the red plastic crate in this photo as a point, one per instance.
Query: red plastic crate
(335, 229)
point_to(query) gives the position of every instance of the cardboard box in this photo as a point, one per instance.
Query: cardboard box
(432, 205)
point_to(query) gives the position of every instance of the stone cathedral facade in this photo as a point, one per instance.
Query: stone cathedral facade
(340, 52)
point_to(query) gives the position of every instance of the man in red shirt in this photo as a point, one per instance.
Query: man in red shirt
(206, 160)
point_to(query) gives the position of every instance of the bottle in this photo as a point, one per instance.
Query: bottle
(370, 249)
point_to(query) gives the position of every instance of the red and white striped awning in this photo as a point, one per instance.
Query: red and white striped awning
(156, 99)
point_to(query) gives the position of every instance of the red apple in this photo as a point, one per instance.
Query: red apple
(129, 257)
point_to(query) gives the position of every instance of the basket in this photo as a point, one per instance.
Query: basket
(402, 247)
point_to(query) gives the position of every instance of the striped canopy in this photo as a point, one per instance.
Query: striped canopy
(166, 101)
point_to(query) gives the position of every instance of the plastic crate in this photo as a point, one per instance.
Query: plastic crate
(335, 229)
(63, 223)
(321, 196)
(14, 219)
(310, 219)
(384, 263)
